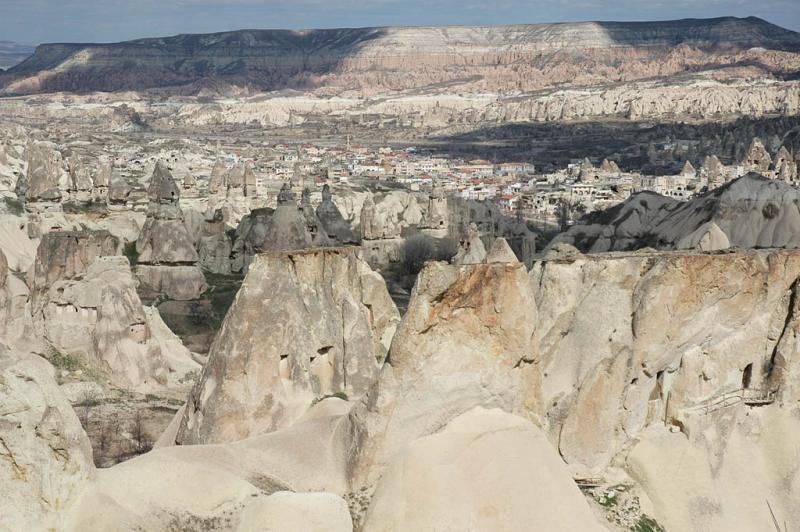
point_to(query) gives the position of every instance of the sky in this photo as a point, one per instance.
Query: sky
(40, 21)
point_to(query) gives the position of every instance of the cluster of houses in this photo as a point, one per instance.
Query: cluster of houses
(583, 186)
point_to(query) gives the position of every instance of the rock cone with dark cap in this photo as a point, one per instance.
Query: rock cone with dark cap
(167, 257)
(336, 227)
(283, 229)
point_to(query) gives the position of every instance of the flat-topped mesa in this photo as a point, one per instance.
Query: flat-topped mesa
(42, 180)
(304, 325)
(167, 258)
(398, 58)
(595, 349)
(334, 224)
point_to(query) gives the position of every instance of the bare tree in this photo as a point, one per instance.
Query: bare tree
(142, 440)
(416, 250)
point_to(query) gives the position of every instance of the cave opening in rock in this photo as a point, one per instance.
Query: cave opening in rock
(747, 376)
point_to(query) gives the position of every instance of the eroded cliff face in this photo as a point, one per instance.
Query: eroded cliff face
(304, 325)
(372, 60)
(602, 352)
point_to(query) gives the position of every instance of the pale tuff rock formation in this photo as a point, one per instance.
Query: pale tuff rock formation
(757, 158)
(88, 306)
(561, 251)
(491, 222)
(217, 181)
(65, 255)
(486, 470)
(48, 481)
(189, 186)
(14, 296)
(600, 351)
(118, 188)
(250, 182)
(44, 175)
(500, 252)
(319, 236)
(466, 331)
(609, 168)
(712, 172)
(334, 224)
(80, 181)
(437, 216)
(740, 474)
(101, 182)
(235, 181)
(286, 228)
(214, 247)
(45, 457)
(330, 323)
(752, 211)
(587, 172)
(688, 170)
(386, 217)
(167, 262)
(471, 249)
(784, 166)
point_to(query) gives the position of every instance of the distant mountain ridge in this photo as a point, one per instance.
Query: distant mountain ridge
(12, 53)
(364, 60)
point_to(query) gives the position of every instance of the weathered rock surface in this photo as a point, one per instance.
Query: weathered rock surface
(466, 331)
(336, 227)
(304, 325)
(371, 60)
(44, 173)
(595, 349)
(283, 229)
(167, 255)
(45, 457)
(471, 249)
(751, 211)
(486, 470)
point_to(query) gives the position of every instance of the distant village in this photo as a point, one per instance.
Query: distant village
(557, 197)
